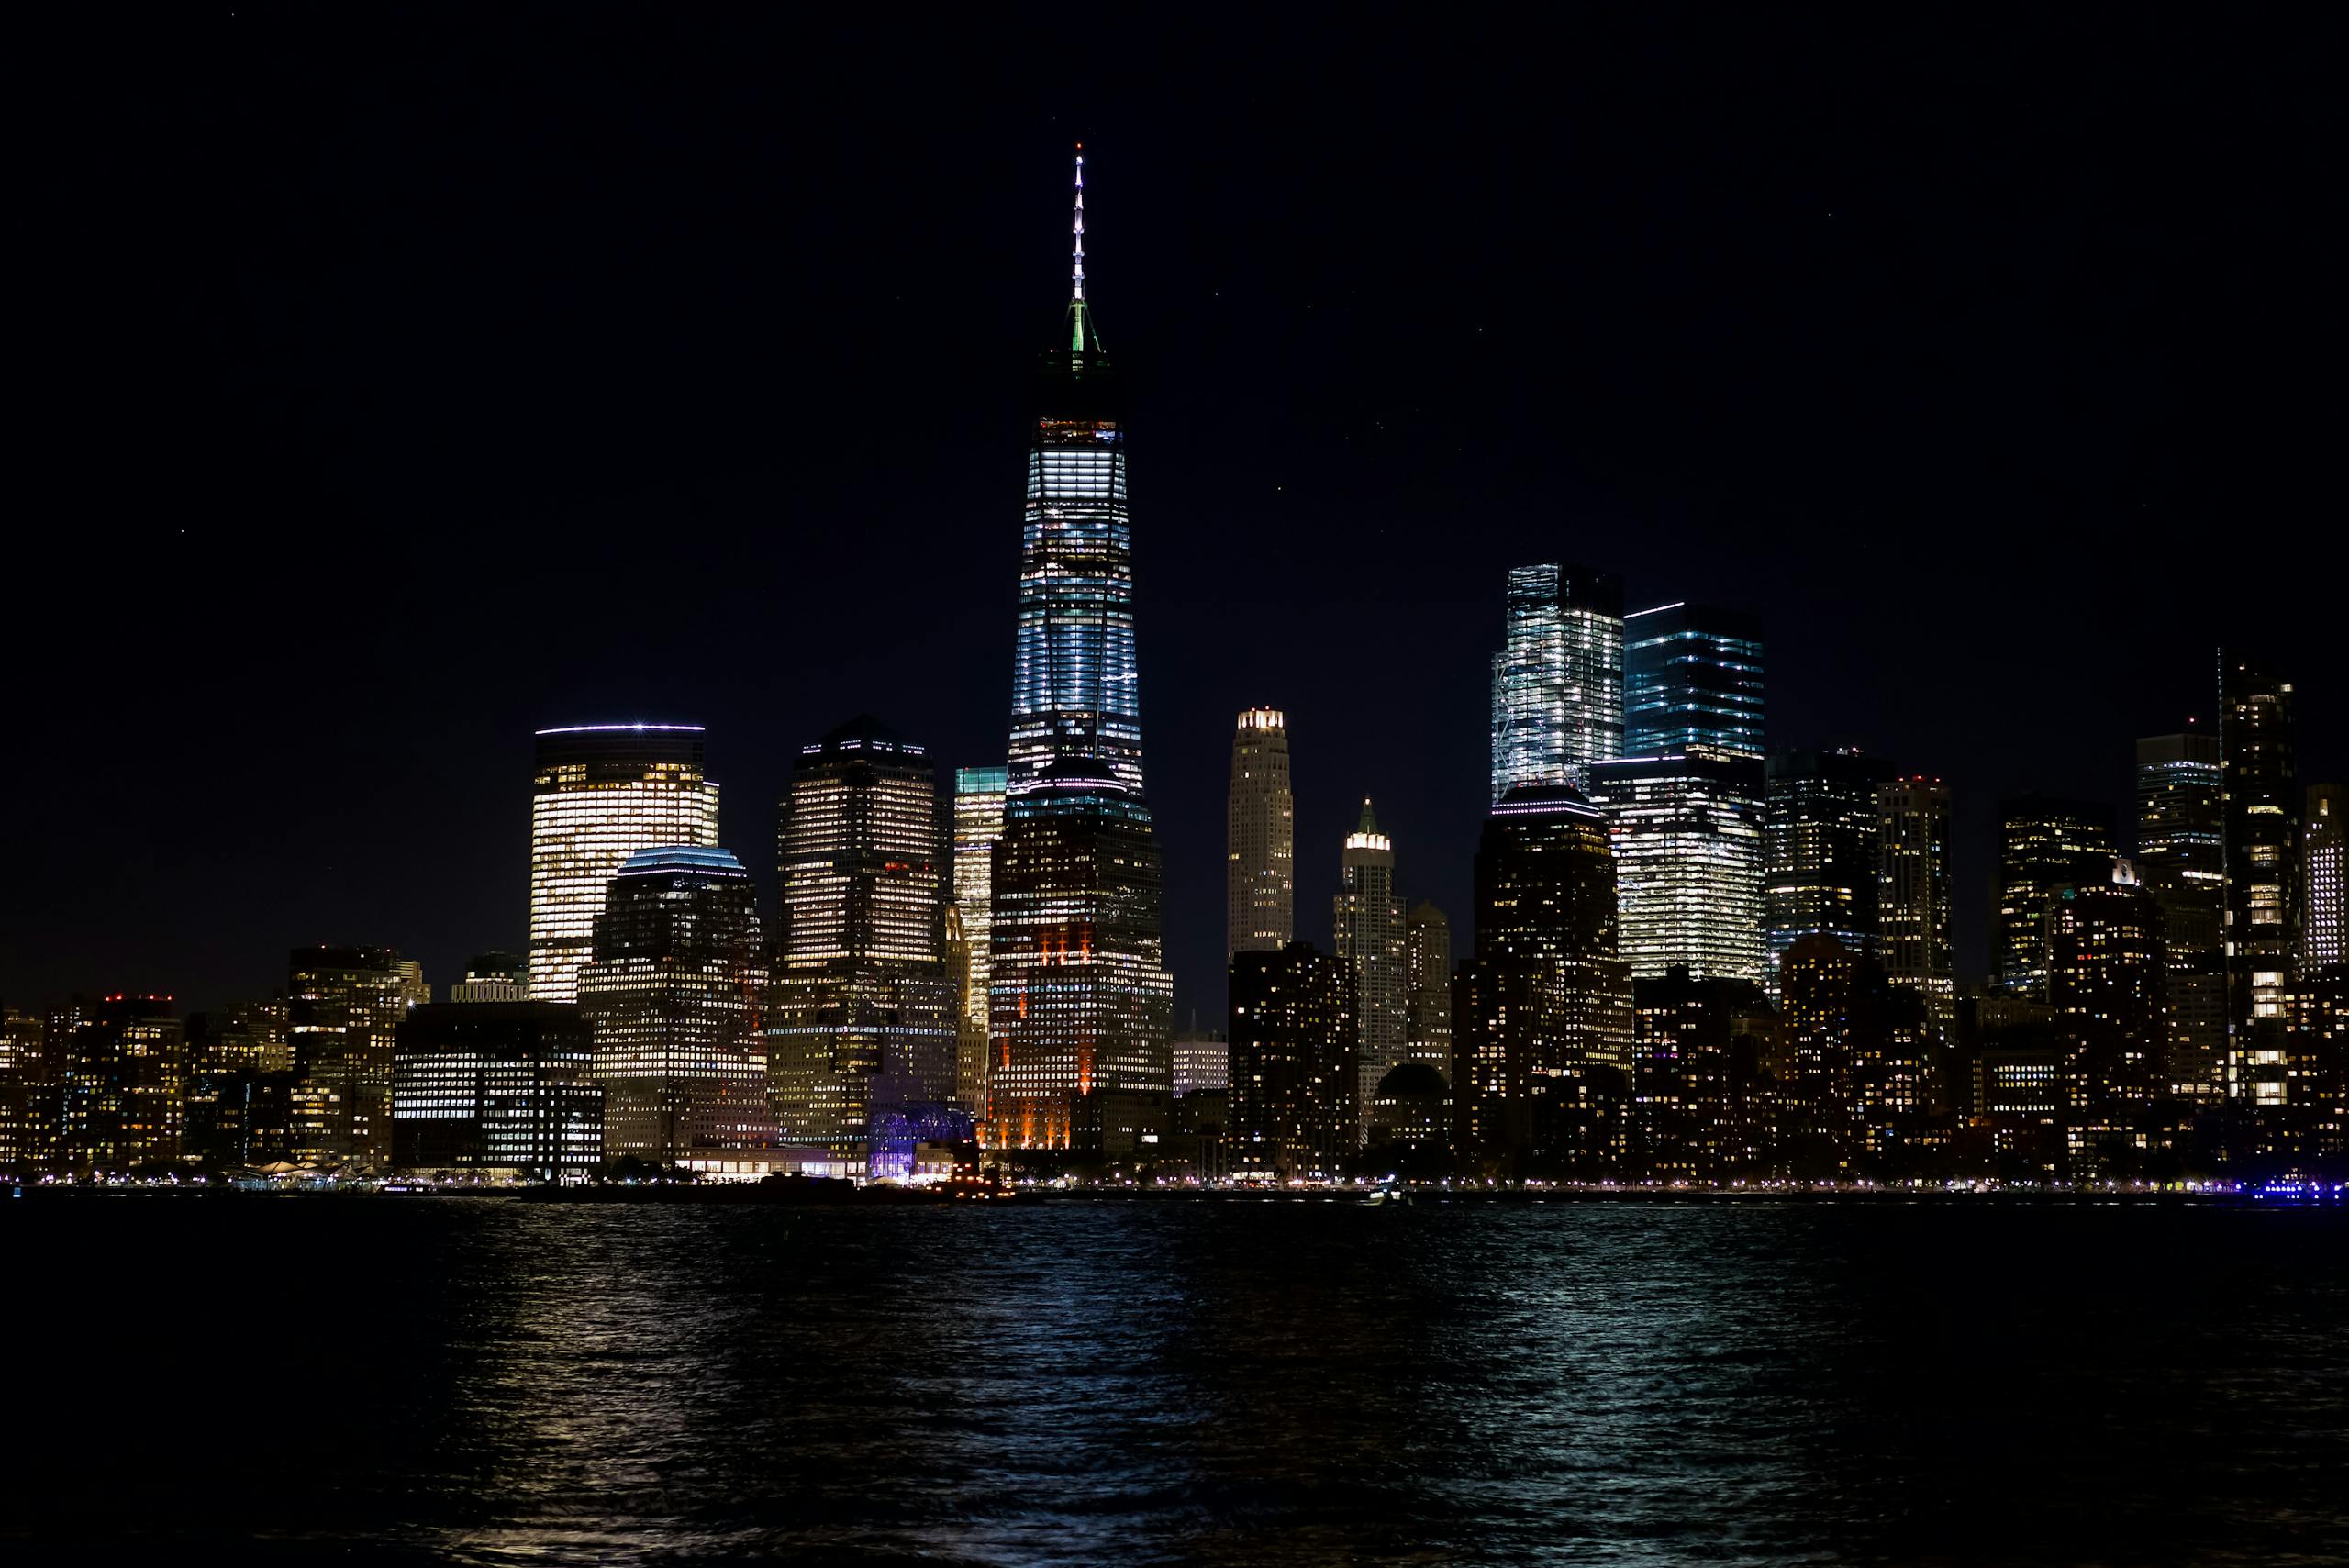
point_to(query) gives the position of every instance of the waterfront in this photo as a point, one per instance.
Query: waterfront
(486, 1381)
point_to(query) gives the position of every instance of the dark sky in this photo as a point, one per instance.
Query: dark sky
(399, 386)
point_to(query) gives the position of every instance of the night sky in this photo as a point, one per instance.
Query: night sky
(398, 386)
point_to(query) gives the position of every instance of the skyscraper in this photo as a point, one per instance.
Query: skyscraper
(1821, 846)
(1427, 987)
(978, 828)
(345, 1003)
(2043, 844)
(672, 998)
(2107, 982)
(1688, 849)
(2181, 861)
(1293, 1078)
(1692, 676)
(1079, 1001)
(2325, 879)
(1546, 1003)
(1260, 834)
(1912, 888)
(2261, 800)
(125, 1072)
(866, 1013)
(602, 792)
(1558, 681)
(1369, 925)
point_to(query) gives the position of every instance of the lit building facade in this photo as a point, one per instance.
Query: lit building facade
(1078, 998)
(497, 1083)
(1558, 679)
(494, 977)
(978, 828)
(1427, 987)
(1260, 836)
(2108, 981)
(1688, 849)
(1692, 676)
(1821, 848)
(2181, 861)
(1912, 897)
(2261, 800)
(1202, 1062)
(2324, 878)
(1293, 1081)
(123, 1082)
(865, 1021)
(344, 1005)
(672, 995)
(2043, 844)
(1368, 920)
(600, 793)
(1545, 1006)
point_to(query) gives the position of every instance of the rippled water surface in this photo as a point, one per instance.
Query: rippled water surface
(1243, 1382)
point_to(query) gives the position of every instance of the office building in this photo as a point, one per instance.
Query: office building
(1293, 1081)
(494, 977)
(1822, 837)
(1688, 852)
(343, 1006)
(599, 794)
(2107, 981)
(1427, 987)
(978, 828)
(1078, 996)
(1913, 898)
(969, 1095)
(2324, 878)
(1543, 1010)
(1368, 919)
(1260, 837)
(2260, 801)
(497, 1083)
(1692, 676)
(123, 1075)
(865, 1018)
(2043, 844)
(1202, 1062)
(1697, 1099)
(671, 994)
(1558, 680)
(2181, 861)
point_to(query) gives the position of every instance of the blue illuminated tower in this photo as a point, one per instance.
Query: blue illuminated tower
(1078, 999)
(1073, 687)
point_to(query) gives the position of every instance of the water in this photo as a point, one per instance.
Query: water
(1220, 1383)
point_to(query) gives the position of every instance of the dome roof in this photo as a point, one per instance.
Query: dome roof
(1411, 1080)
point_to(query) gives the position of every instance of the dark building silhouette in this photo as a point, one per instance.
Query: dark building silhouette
(1705, 1103)
(2261, 800)
(1822, 850)
(496, 1086)
(1692, 676)
(1293, 1063)
(124, 1076)
(2181, 861)
(2106, 981)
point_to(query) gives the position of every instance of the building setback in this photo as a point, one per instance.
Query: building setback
(1260, 836)
(600, 793)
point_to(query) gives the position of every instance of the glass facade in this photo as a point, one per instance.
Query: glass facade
(600, 793)
(1368, 919)
(1692, 676)
(978, 828)
(1688, 841)
(867, 1016)
(2043, 844)
(496, 1084)
(2181, 861)
(1820, 849)
(673, 996)
(1558, 680)
(1259, 838)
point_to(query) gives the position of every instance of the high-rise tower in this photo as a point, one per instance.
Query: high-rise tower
(1427, 991)
(978, 828)
(1687, 828)
(1260, 887)
(2181, 861)
(2043, 844)
(2261, 803)
(1820, 834)
(601, 792)
(1369, 922)
(1078, 996)
(1558, 683)
(1912, 888)
(2325, 879)
(1692, 676)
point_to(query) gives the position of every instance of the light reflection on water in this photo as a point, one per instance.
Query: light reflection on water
(490, 1381)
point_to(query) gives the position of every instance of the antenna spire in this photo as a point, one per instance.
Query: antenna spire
(1077, 226)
